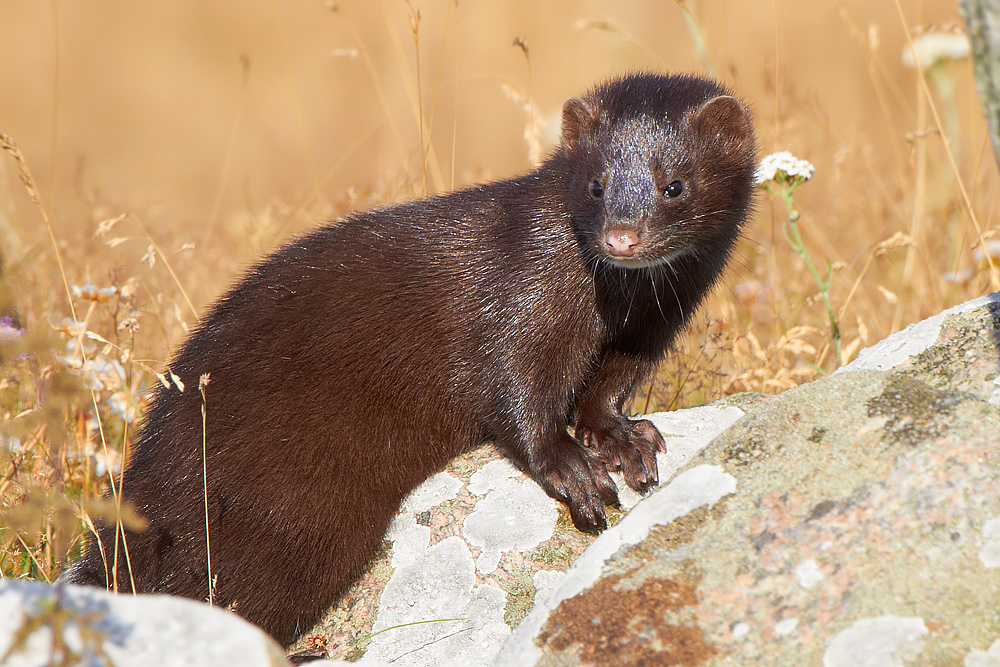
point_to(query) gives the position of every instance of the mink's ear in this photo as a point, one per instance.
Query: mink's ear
(724, 118)
(578, 117)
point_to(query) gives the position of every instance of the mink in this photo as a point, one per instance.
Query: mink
(356, 361)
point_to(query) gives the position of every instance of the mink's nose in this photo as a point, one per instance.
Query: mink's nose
(621, 242)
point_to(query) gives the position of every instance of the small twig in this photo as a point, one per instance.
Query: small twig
(202, 383)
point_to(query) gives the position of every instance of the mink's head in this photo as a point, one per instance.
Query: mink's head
(659, 167)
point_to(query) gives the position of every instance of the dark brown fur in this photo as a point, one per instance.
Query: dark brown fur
(355, 362)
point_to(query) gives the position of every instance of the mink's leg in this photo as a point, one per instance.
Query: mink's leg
(565, 469)
(628, 445)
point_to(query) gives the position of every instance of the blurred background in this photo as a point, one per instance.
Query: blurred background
(199, 115)
(173, 143)
(188, 106)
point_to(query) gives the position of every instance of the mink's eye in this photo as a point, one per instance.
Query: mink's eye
(674, 189)
(596, 189)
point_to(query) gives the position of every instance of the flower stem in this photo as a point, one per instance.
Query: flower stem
(794, 238)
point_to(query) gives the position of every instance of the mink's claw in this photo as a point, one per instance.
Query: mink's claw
(626, 445)
(578, 477)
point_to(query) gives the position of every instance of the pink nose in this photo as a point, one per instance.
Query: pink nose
(621, 242)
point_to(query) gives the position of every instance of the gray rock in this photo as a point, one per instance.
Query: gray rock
(863, 528)
(439, 586)
(483, 552)
(44, 624)
(901, 347)
(499, 523)
(876, 642)
(700, 486)
(854, 520)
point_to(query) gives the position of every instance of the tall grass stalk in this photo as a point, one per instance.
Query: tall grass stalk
(202, 383)
(967, 203)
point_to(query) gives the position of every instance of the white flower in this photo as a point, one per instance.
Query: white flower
(783, 167)
(121, 404)
(69, 328)
(961, 276)
(100, 373)
(991, 250)
(91, 292)
(934, 47)
(112, 464)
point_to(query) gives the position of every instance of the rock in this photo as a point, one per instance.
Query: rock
(43, 625)
(473, 547)
(854, 520)
(862, 527)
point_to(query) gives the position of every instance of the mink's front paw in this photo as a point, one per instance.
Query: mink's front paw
(628, 445)
(576, 476)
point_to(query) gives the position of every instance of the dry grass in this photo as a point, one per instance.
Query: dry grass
(177, 147)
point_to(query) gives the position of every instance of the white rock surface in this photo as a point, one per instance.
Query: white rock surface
(131, 631)
(989, 555)
(439, 585)
(434, 491)
(990, 658)
(517, 514)
(886, 641)
(409, 540)
(786, 627)
(808, 574)
(490, 475)
(547, 581)
(914, 339)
